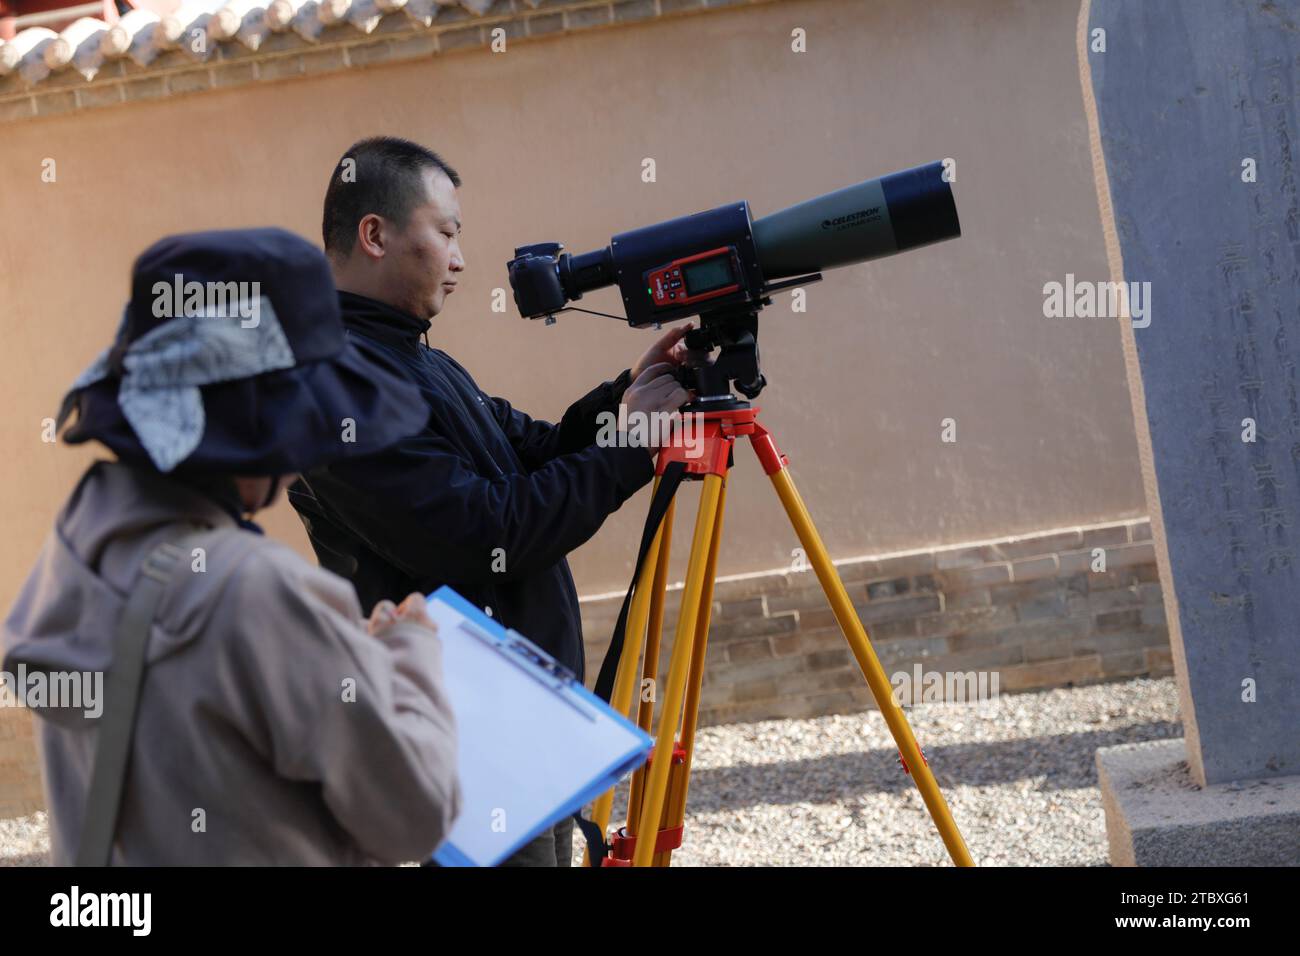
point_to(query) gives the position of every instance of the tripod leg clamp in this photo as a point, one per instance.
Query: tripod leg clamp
(904, 762)
(679, 754)
(623, 847)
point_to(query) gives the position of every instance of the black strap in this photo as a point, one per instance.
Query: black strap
(121, 699)
(674, 472)
(597, 848)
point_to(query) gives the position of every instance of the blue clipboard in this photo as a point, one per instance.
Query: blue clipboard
(534, 745)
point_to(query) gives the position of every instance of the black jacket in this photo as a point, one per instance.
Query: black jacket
(485, 499)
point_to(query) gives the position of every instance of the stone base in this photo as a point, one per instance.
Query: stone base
(1156, 815)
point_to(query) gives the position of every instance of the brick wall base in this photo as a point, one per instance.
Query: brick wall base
(1030, 610)
(1020, 613)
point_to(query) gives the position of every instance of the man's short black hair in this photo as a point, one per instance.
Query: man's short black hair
(385, 177)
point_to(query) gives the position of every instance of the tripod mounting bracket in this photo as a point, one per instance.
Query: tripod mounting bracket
(712, 455)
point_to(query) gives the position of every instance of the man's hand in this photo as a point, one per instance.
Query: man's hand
(655, 390)
(672, 350)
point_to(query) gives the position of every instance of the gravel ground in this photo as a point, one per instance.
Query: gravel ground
(1018, 773)
(24, 841)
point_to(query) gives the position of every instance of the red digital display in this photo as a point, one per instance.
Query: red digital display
(705, 275)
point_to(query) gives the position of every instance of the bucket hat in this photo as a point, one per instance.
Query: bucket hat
(232, 358)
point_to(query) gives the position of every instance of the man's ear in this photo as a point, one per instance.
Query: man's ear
(371, 235)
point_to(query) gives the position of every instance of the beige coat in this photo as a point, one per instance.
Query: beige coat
(271, 729)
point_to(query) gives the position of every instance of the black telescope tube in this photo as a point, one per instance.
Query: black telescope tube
(588, 271)
(921, 207)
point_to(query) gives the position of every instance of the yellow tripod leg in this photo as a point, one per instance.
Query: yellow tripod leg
(681, 775)
(656, 790)
(856, 635)
(625, 676)
(650, 662)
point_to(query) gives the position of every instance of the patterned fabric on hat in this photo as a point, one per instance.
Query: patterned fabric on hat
(163, 369)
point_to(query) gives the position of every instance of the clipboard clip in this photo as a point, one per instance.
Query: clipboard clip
(530, 651)
(519, 649)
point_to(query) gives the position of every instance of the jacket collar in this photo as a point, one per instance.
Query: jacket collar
(116, 500)
(221, 489)
(382, 322)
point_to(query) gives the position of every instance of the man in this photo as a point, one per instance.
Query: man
(484, 499)
(271, 725)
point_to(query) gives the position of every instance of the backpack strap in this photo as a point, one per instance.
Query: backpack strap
(122, 697)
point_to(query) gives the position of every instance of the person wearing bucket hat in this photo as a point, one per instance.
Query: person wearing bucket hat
(249, 715)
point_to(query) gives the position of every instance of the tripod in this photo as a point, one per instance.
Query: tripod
(657, 795)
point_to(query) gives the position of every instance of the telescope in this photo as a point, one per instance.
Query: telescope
(723, 266)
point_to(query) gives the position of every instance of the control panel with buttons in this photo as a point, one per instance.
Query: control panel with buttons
(704, 275)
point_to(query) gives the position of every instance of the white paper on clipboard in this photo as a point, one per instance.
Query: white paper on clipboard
(534, 745)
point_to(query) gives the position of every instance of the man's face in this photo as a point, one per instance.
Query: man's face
(424, 261)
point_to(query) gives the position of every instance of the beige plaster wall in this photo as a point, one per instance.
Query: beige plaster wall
(549, 138)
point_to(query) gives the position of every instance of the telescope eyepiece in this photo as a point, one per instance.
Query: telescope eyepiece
(551, 249)
(535, 279)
